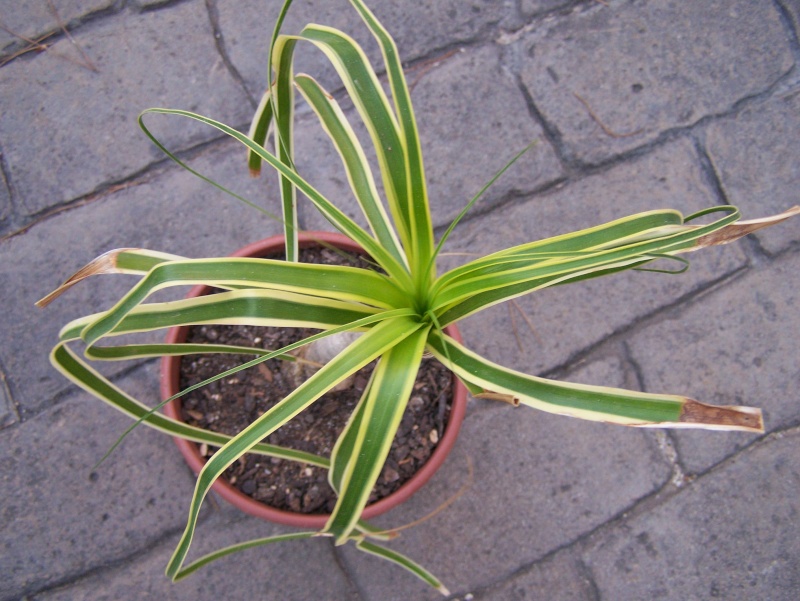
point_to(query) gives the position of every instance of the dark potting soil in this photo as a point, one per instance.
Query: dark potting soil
(231, 404)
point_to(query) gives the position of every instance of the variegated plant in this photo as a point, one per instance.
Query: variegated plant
(401, 311)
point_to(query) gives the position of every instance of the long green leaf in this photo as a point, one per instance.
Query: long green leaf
(421, 227)
(597, 403)
(259, 128)
(346, 443)
(143, 351)
(404, 562)
(366, 348)
(252, 146)
(379, 418)
(672, 242)
(482, 300)
(362, 85)
(79, 373)
(276, 277)
(329, 210)
(259, 542)
(619, 232)
(283, 106)
(354, 160)
(246, 307)
(261, 356)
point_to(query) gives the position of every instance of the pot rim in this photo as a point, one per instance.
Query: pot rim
(191, 453)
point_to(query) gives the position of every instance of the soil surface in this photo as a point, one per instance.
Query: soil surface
(231, 404)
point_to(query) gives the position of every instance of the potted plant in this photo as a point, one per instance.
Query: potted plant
(411, 477)
(400, 311)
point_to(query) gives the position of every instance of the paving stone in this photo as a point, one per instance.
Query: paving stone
(560, 578)
(34, 19)
(731, 535)
(67, 130)
(648, 67)
(567, 319)
(59, 518)
(739, 346)
(758, 170)
(173, 211)
(247, 26)
(472, 88)
(268, 573)
(540, 480)
(457, 21)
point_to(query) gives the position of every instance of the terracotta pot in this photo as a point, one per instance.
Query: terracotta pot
(170, 385)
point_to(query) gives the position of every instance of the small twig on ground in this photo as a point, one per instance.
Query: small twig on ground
(86, 60)
(36, 45)
(514, 327)
(427, 65)
(608, 131)
(464, 488)
(528, 321)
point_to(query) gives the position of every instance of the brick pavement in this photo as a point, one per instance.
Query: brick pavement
(634, 106)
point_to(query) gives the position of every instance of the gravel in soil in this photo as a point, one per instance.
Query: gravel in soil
(231, 404)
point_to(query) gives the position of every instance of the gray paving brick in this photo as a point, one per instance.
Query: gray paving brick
(247, 26)
(59, 518)
(648, 67)
(731, 535)
(172, 211)
(269, 573)
(570, 318)
(458, 21)
(540, 480)
(558, 579)
(759, 171)
(472, 88)
(738, 347)
(34, 19)
(66, 130)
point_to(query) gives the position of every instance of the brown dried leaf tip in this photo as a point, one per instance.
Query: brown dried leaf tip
(726, 417)
(105, 263)
(737, 230)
